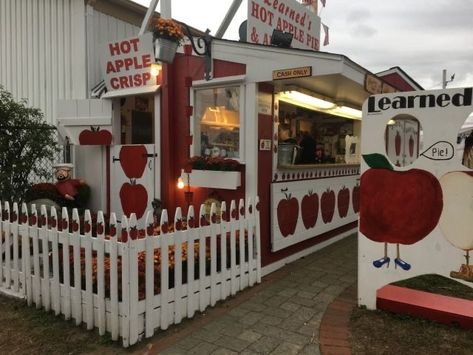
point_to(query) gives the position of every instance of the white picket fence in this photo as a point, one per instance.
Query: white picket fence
(117, 281)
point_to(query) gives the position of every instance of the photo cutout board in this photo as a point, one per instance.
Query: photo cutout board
(416, 203)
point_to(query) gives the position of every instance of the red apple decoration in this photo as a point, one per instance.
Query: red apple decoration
(134, 199)
(356, 198)
(327, 205)
(343, 202)
(95, 136)
(288, 213)
(398, 206)
(397, 143)
(133, 159)
(310, 209)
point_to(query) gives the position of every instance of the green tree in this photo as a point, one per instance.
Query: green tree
(25, 139)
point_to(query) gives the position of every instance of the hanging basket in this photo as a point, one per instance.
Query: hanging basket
(165, 50)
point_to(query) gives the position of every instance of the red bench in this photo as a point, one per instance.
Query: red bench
(439, 308)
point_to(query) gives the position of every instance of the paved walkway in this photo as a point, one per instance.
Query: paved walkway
(282, 315)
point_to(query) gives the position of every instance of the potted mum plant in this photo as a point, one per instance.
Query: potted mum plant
(168, 36)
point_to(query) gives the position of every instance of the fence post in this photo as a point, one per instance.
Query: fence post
(133, 279)
(124, 246)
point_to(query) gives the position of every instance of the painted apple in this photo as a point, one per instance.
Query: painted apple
(288, 213)
(134, 199)
(327, 205)
(310, 209)
(397, 143)
(398, 206)
(95, 136)
(411, 146)
(456, 222)
(356, 198)
(133, 159)
(343, 202)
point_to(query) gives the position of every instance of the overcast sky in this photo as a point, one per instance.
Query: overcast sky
(420, 36)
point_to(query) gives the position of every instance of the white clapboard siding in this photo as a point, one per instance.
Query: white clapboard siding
(42, 46)
(109, 276)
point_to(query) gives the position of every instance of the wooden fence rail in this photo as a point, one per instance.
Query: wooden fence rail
(128, 282)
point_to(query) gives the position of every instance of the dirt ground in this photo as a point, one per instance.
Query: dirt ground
(25, 330)
(376, 332)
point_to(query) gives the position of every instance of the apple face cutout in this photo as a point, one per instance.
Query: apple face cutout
(456, 222)
(398, 206)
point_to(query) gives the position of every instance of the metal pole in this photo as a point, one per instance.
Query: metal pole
(148, 16)
(165, 9)
(444, 78)
(228, 18)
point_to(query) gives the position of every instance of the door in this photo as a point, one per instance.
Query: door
(132, 185)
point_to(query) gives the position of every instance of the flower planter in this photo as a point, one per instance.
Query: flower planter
(165, 49)
(229, 180)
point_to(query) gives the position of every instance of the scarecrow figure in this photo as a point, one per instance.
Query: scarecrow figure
(67, 187)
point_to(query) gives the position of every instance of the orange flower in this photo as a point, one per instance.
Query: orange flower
(168, 29)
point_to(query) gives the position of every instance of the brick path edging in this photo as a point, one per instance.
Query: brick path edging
(334, 331)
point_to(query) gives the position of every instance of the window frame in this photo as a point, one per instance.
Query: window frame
(219, 83)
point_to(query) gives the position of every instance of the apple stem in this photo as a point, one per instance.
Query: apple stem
(386, 250)
(397, 253)
(467, 257)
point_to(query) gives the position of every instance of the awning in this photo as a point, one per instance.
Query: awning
(131, 91)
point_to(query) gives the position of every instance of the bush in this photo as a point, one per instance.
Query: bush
(25, 139)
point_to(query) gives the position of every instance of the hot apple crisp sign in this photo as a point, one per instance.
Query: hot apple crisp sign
(127, 63)
(416, 209)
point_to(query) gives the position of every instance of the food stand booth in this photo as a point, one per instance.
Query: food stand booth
(248, 107)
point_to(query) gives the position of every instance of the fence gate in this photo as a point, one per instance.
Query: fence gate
(132, 179)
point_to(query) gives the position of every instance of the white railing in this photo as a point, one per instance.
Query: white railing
(112, 276)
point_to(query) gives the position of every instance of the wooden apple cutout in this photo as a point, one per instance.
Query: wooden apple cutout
(327, 205)
(310, 209)
(398, 206)
(343, 202)
(133, 159)
(134, 199)
(288, 213)
(456, 222)
(95, 136)
(356, 198)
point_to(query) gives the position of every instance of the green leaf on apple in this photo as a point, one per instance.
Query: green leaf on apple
(377, 161)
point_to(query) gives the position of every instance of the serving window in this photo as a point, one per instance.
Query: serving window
(308, 136)
(217, 121)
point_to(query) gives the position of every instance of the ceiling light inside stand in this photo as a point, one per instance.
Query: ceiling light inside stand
(348, 112)
(304, 100)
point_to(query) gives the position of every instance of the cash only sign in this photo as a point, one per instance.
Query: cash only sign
(127, 63)
(264, 16)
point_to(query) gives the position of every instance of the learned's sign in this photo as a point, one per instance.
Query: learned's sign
(292, 73)
(264, 16)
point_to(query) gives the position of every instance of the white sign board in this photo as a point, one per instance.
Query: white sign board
(415, 218)
(284, 15)
(127, 63)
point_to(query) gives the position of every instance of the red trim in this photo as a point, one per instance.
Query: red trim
(439, 308)
(107, 179)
